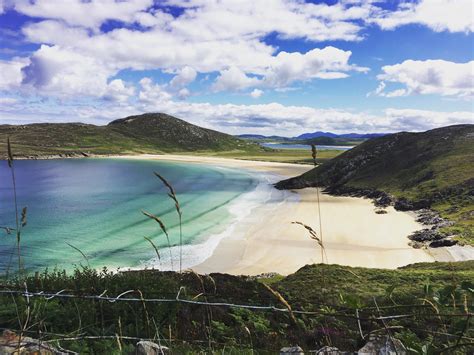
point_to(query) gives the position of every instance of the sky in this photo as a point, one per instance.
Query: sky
(240, 66)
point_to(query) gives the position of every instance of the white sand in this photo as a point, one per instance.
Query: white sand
(353, 234)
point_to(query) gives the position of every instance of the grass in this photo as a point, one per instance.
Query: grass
(448, 286)
(294, 156)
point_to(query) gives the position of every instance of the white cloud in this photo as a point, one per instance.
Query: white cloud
(438, 15)
(275, 118)
(420, 120)
(80, 13)
(54, 32)
(184, 77)
(152, 94)
(286, 68)
(183, 94)
(256, 93)
(118, 91)
(209, 36)
(429, 77)
(7, 101)
(379, 91)
(10, 73)
(211, 19)
(271, 118)
(234, 79)
(62, 72)
(326, 63)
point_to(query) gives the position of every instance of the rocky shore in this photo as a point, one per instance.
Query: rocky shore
(431, 236)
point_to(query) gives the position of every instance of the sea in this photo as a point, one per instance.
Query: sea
(88, 212)
(305, 146)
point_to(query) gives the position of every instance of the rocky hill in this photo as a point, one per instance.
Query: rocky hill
(147, 133)
(433, 169)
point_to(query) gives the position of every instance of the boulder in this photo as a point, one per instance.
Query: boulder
(11, 343)
(291, 350)
(382, 345)
(327, 350)
(443, 243)
(149, 348)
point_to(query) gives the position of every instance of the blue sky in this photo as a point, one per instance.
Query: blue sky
(240, 66)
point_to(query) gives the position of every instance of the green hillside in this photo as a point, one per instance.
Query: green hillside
(419, 170)
(147, 133)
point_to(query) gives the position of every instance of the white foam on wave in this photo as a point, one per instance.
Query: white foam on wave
(239, 208)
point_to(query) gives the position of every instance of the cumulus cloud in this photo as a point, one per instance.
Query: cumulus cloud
(10, 73)
(118, 91)
(326, 63)
(286, 68)
(428, 77)
(446, 15)
(185, 76)
(209, 36)
(81, 13)
(420, 120)
(152, 94)
(256, 93)
(63, 72)
(234, 79)
(54, 32)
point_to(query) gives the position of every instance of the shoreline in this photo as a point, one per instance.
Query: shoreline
(266, 241)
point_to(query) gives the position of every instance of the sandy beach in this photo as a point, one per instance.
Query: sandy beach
(353, 234)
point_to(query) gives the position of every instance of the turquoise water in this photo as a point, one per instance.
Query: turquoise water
(95, 204)
(305, 146)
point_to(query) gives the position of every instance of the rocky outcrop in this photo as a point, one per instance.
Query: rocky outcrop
(383, 345)
(291, 350)
(431, 237)
(149, 348)
(12, 343)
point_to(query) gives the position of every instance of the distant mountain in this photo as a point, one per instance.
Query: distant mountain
(316, 135)
(362, 135)
(259, 137)
(429, 169)
(147, 133)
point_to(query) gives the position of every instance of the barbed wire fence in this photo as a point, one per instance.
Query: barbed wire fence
(358, 315)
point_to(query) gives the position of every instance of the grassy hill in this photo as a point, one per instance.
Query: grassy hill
(147, 133)
(429, 303)
(430, 169)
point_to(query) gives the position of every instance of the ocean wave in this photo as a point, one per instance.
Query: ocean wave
(239, 208)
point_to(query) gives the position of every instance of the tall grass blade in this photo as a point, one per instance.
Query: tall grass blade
(172, 196)
(163, 228)
(80, 251)
(154, 247)
(9, 153)
(15, 200)
(314, 153)
(282, 300)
